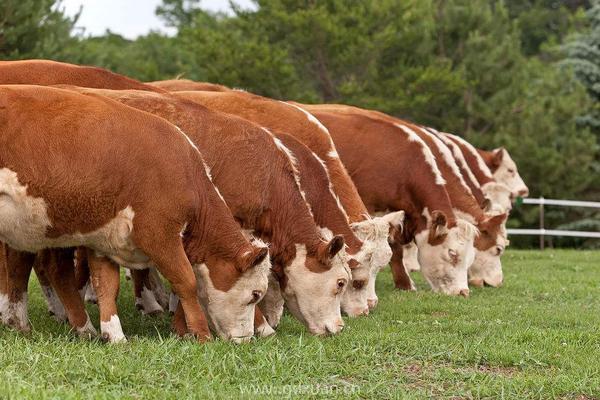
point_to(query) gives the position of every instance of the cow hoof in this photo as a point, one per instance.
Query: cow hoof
(87, 331)
(58, 317)
(113, 339)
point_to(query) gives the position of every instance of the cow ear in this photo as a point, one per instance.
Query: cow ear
(395, 220)
(491, 223)
(329, 250)
(439, 225)
(498, 156)
(255, 257)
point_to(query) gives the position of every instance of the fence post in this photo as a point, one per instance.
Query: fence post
(541, 223)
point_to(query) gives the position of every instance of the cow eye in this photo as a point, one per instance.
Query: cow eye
(340, 285)
(358, 284)
(256, 295)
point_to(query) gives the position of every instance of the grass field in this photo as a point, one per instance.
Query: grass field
(536, 337)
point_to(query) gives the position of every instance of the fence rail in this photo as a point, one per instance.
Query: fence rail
(542, 232)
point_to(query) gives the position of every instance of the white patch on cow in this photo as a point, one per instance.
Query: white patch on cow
(458, 156)
(485, 170)
(487, 266)
(429, 157)
(310, 117)
(436, 261)
(231, 313)
(410, 257)
(264, 329)
(333, 154)
(331, 191)
(17, 314)
(24, 222)
(499, 195)
(271, 305)
(87, 330)
(508, 175)
(112, 331)
(464, 216)
(188, 139)
(148, 303)
(314, 298)
(55, 306)
(173, 303)
(448, 158)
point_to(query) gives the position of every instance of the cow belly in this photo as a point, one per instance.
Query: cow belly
(24, 222)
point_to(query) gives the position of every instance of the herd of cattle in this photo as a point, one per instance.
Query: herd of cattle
(244, 204)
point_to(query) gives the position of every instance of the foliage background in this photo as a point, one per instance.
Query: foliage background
(523, 74)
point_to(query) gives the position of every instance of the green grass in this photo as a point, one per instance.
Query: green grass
(536, 337)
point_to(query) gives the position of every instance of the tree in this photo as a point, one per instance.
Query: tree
(34, 29)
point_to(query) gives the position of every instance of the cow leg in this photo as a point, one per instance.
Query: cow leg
(55, 306)
(261, 326)
(3, 281)
(144, 296)
(178, 323)
(169, 257)
(82, 276)
(106, 281)
(18, 267)
(61, 275)
(402, 279)
(173, 303)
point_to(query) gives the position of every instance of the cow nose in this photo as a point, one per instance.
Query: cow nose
(364, 312)
(372, 303)
(523, 192)
(464, 292)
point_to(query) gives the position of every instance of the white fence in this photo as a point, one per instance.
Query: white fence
(541, 232)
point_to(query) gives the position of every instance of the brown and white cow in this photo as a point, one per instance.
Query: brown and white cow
(283, 118)
(258, 179)
(179, 85)
(394, 169)
(79, 170)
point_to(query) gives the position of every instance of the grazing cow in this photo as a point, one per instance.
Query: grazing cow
(260, 184)
(69, 177)
(180, 85)
(46, 73)
(498, 194)
(283, 118)
(394, 169)
(505, 170)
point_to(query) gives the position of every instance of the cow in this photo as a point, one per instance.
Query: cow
(78, 170)
(284, 118)
(505, 170)
(259, 180)
(180, 85)
(46, 73)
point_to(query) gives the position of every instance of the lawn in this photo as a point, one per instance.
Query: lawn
(536, 337)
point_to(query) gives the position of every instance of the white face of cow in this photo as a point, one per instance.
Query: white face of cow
(377, 254)
(507, 173)
(231, 314)
(354, 300)
(487, 266)
(314, 297)
(446, 254)
(272, 304)
(499, 195)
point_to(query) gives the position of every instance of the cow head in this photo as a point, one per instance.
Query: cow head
(445, 253)
(376, 253)
(505, 172)
(229, 291)
(489, 246)
(314, 283)
(499, 196)
(272, 304)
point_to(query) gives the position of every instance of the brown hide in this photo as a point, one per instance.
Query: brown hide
(46, 73)
(471, 160)
(388, 169)
(254, 176)
(178, 85)
(315, 183)
(280, 117)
